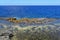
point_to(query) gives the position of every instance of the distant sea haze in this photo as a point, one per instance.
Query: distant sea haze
(30, 11)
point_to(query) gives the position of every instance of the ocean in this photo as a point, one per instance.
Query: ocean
(30, 11)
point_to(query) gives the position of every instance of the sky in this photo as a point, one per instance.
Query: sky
(29, 2)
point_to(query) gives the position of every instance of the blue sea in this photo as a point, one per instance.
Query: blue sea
(30, 11)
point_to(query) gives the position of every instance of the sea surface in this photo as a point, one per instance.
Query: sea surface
(30, 11)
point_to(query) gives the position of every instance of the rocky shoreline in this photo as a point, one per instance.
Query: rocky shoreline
(33, 28)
